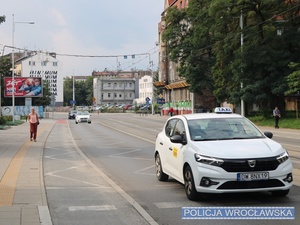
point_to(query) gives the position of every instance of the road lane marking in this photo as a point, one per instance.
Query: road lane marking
(141, 171)
(92, 208)
(116, 187)
(168, 205)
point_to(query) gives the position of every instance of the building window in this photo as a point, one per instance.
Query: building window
(130, 95)
(44, 63)
(108, 84)
(120, 95)
(115, 95)
(130, 84)
(115, 84)
(108, 95)
(120, 84)
(102, 96)
(54, 63)
(31, 63)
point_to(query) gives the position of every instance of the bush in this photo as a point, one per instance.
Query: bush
(2, 120)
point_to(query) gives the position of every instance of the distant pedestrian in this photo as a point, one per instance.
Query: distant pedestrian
(277, 115)
(171, 111)
(33, 119)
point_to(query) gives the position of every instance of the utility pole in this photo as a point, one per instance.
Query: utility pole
(242, 42)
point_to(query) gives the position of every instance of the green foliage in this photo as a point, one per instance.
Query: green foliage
(5, 65)
(291, 123)
(293, 79)
(83, 91)
(205, 41)
(2, 19)
(2, 120)
(45, 100)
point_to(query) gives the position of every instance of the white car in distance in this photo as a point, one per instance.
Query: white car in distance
(83, 117)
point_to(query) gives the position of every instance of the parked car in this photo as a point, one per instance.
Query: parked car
(221, 152)
(72, 114)
(126, 107)
(83, 116)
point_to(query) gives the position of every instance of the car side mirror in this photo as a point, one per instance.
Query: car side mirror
(269, 134)
(178, 139)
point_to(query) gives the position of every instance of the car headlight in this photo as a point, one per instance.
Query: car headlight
(208, 160)
(283, 157)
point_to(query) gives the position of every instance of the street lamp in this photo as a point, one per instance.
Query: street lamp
(13, 63)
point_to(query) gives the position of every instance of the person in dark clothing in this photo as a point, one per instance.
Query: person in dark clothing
(277, 115)
(171, 111)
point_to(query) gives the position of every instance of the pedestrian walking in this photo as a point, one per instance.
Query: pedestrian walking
(171, 111)
(33, 119)
(277, 115)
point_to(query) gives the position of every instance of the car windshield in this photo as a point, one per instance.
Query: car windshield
(222, 129)
(82, 113)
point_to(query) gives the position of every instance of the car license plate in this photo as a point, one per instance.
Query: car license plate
(252, 176)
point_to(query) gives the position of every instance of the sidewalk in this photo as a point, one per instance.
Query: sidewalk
(22, 194)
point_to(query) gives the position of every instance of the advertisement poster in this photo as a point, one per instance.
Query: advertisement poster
(23, 86)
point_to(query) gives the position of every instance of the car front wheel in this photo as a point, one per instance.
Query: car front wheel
(161, 176)
(189, 184)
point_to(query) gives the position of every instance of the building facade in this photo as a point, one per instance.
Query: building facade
(145, 89)
(173, 87)
(46, 66)
(115, 88)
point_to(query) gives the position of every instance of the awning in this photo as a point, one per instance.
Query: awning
(159, 83)
(180, 84)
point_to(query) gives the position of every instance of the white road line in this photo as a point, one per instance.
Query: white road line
(142, 171)
(126, 196)
(92, 208)
(168, 205)
(79, 181)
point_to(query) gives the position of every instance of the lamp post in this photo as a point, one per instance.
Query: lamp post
(152, 75)
(13, 63)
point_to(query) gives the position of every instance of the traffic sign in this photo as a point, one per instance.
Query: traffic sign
(160, 101)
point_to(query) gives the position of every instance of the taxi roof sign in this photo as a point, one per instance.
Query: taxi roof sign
(223, 110)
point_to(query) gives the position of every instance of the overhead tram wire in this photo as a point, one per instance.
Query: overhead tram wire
(137, 54)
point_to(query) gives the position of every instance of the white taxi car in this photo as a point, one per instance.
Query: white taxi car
(83, 116)
(221, 152)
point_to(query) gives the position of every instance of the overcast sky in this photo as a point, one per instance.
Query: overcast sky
(85, 27)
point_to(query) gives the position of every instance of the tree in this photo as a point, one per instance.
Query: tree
(205, 41)
(293, 79)
(2, 19)
(83, 91)
(5, 65)
(89, 90)
(45, 100)
(189, 44)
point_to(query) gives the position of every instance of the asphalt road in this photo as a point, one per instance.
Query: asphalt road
(103, 173)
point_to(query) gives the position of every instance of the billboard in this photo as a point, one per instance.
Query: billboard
(24, 87)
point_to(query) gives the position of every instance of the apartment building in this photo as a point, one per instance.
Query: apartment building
(115, 88)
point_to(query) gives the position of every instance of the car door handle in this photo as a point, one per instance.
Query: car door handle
(161, 143)
(170, 148)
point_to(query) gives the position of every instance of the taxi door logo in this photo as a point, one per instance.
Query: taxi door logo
(175, 151)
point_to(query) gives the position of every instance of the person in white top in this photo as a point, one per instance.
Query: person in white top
(33, 119)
